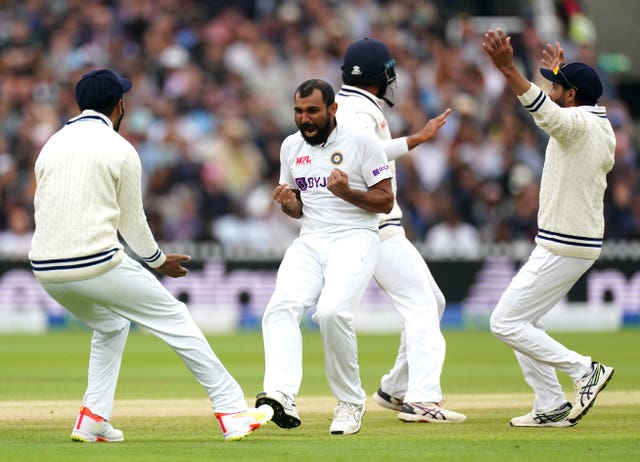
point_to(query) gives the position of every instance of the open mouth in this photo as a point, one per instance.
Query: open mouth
(310, 130)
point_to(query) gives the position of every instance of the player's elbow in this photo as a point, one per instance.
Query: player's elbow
(387, 203)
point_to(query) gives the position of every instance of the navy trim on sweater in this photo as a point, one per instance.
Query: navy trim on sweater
(72, 263)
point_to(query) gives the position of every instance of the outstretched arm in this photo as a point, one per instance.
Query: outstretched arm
(498, 47)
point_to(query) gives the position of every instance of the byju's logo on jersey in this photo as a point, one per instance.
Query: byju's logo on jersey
(379, 170)
(303, 160)
(311, 182)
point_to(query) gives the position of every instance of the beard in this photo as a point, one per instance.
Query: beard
(320, 133)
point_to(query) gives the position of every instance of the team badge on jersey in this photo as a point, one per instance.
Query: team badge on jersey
(337, 158)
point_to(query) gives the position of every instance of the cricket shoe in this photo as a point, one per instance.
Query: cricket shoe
(555, 418)
(237, 425)
(429, 412)
(387, 401)
(587, 389)
(91, 428)
(347, 418)
(285, 414)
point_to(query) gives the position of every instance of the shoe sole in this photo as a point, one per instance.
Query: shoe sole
(94, 439)
(380, 401)
(574, 420)
(280, 417)
(563, 424)
(414, 418)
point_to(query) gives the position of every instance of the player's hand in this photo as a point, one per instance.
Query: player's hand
(338, 183)
(173, 265)
(429, 131)
(498, 47)
(554, 57)
(284, 195)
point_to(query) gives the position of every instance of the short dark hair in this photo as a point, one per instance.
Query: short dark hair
(308, 86)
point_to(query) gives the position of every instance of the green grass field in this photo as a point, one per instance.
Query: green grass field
(166, 417)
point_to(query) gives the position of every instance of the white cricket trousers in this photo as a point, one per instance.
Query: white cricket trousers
(539, 285)
(404, 275)
(130, 293)
(331, 272)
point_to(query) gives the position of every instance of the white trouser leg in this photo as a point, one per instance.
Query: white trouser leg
(349, 268)
(130, 291)
(402, 272)
(298, 286)
(534, 291)
(104, 367)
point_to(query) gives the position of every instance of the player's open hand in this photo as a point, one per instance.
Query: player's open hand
(498, 47)
(173, 265)
(338, 183)
(554, 57)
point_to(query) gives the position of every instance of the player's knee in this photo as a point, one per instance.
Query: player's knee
(501, 327)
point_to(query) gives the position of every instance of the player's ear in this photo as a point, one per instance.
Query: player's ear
(333, 108)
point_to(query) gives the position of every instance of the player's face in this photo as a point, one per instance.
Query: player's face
(558, 94)
(314, 119)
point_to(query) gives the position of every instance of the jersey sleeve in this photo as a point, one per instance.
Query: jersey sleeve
(285, 170)
(133, 226)
(374, 164)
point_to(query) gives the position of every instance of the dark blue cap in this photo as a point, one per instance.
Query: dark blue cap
(579, 76)
(366, 59)
(100, 88)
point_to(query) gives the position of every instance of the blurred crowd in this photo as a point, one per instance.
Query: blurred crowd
(212, 101)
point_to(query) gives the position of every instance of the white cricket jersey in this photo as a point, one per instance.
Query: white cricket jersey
(579, 155)
(362, 109)
(87, 191)
(304, 167)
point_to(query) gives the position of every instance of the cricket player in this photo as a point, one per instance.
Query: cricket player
(412, 387)
(88, 192)
(335, 180)
(578, 157)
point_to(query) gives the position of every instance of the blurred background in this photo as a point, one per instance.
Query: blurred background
(211, 103)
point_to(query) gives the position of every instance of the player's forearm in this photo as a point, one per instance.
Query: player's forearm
(516, 81)
(377, 200)
(293, 210)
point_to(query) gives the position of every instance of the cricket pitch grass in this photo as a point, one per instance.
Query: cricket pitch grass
(166, 416)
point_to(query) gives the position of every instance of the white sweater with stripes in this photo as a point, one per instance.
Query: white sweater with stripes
(578, 157)
(87, 191)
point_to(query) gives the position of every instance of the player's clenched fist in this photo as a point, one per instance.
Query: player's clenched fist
(283, 195)
(338, 183)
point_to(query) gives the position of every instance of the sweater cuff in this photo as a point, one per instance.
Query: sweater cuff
(530, 95)
(155, 260)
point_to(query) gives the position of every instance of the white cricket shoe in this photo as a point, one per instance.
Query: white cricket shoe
(91, 428)
(387, 401)
(347, 418)
(554, 418)
(285, 414)
(587, 389)
(429, 412)
(237, 425)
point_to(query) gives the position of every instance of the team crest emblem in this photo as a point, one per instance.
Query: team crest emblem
(355, 70)
(337, 158)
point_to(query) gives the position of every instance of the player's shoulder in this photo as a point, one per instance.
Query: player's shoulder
(357, 133)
